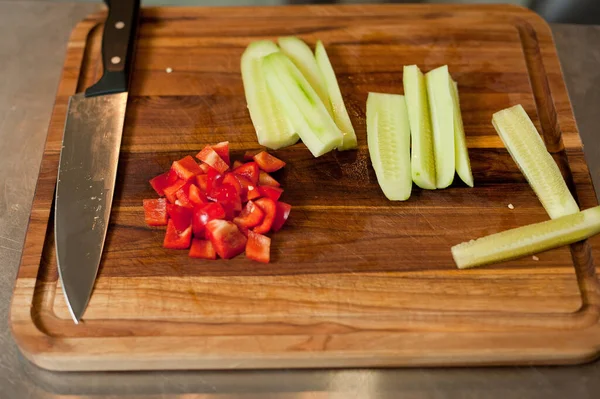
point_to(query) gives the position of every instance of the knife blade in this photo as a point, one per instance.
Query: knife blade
(89, 158)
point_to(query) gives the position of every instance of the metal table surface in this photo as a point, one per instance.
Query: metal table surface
(33, 37)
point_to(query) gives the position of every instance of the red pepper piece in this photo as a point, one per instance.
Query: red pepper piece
(171, 191)
(232, 180)
(213, 180)
(250, 216)
(281, 215)
(226, 238)
(269, 207)
(186, 168)
(204, 214)
(210, 157)
(258, 247)
(272, 192)
(265, 179)
(183, 198)
(202, 182)
(181, 216)
(237, 164)
(268, 162)
(196, 196)
(155, 212)
(249, 155)
(222, 149)
(205, 168)
(245, 184)
(249, 170)
(244, 230)
(175, 239)
(227, 196)
(202, 249)
(160, 182)
(253, 193)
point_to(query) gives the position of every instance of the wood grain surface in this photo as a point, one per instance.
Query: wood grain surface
(355, 280)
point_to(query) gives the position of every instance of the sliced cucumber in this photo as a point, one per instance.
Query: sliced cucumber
(338, 108)
(527, 240)
(388, 138)
(422, 159)
(461, 153)
(302, 56)
(529, 152)
(273, 129)
(302, 105)
(442, 120)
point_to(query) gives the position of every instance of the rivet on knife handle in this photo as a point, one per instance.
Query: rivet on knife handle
(118, 41)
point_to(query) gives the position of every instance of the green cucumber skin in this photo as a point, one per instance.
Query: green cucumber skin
(302, 56)
(463, 163)
(273, 129)
(442, 120)
(527, 240)
(385, 110)
(302, 105)
(338, 108)
(543, 173)
(422, 157)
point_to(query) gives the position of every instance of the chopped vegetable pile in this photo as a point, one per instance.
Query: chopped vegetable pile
(428, 119)
(527, 148)
(568, 224)
(215, 208)
(293, 93)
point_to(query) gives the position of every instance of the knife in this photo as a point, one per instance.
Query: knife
(89, 157)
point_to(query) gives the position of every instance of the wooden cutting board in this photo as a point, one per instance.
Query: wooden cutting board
(356, 280)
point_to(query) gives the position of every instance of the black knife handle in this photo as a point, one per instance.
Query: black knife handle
(118, 42)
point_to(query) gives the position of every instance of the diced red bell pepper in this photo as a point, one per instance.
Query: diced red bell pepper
(202, 182)
(269, 207)
(237, 164)
(204, 214)
(227, 196)
(210, 157)
(186, 168)
(253, 193)
(249, 155)
(281, 215)
(250, 216)
(258, 247)
(265, 179)
(272, 192)
(248, 189)
(205, 168)
(226, 238)
(244, 230)
(268, 162)
(160, 182)
(202, 249)
(232, 180)
(181, 216)
(171, 191)
(155, 212)
(175, 239)
(196, 196)
(249, 170)
(214, 179)
(222, 149)
(183, 198)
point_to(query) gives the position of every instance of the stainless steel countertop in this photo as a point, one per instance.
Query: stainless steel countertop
(33, 36)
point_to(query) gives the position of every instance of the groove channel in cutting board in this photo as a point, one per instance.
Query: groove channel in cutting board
(356, 280)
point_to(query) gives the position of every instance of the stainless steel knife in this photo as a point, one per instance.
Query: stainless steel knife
(89, 157)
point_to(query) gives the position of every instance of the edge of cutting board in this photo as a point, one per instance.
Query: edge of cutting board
(578, 342)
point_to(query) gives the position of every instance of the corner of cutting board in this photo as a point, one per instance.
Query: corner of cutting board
(32, 341)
